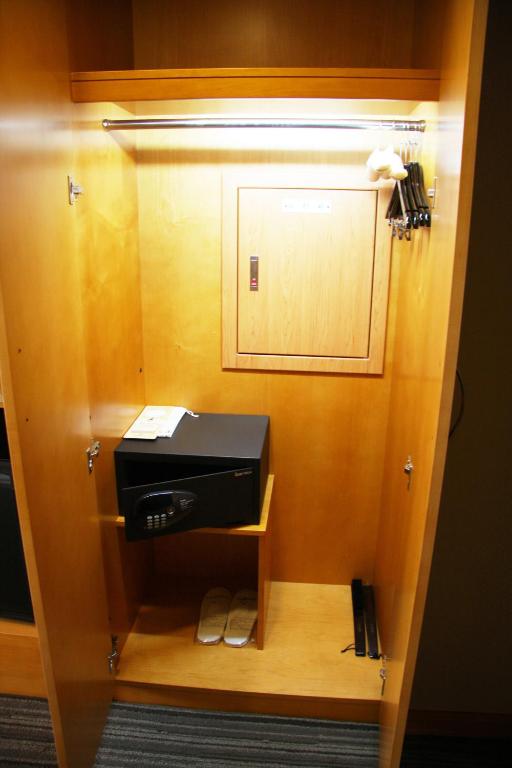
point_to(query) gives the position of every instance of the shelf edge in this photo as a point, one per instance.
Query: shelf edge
(142, 85)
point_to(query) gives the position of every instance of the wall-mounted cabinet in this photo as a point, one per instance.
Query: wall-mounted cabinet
(127, 285)
(305, 273)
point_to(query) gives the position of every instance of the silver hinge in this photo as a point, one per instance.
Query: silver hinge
(73, 191)
(92, 451)
(113, 656)
(408, 469)
(383, 676)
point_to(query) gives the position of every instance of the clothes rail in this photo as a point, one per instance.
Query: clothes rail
(270, 122)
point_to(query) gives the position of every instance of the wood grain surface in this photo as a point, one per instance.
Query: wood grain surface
(308, 625)
(107, 218)
(21, 671)
(327, 432)
(428, 326)
(224, 33)
(144, 85)
(42, 357)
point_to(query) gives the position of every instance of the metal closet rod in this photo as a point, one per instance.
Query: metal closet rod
(264, 122)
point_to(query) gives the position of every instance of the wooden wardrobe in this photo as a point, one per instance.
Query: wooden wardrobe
(114, 302)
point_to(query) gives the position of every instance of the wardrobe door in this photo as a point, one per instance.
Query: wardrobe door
(428, 309)
(44, 376)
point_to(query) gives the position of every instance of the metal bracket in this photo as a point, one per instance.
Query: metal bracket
(383, 673)
(92, 451)
(73, 191)
(113, 656)
(383, 676)
(400, 229)
(408, 469)
(432, 192)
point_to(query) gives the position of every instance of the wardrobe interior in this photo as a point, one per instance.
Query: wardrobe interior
(144, 245)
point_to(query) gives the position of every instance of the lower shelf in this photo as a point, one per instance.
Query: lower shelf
(21, 671)
(300, 671)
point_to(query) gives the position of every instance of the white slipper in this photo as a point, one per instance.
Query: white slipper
(242, 618)
(213, 616)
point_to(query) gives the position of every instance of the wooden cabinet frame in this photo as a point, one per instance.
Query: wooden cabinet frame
(46, 378)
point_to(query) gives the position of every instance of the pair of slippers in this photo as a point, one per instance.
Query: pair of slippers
(226, 617)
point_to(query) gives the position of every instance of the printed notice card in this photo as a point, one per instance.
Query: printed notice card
(156, 421)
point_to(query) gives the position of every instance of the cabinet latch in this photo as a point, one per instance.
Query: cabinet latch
(113, 656)
(92, 451)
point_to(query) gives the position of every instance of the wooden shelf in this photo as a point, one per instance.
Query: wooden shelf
(160, 84)
(21, 671)
(300, 671)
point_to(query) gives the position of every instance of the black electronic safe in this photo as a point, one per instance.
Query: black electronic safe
(211, 473)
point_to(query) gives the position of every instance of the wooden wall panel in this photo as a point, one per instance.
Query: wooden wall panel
(100, 34)
(428, 323)
(327, 431)
(277, 33)
(107, 229)
(428, 33)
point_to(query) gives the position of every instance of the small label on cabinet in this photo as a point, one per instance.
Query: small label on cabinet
(301, 205)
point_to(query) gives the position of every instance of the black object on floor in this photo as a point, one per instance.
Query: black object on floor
(358, 614)
(370, 621)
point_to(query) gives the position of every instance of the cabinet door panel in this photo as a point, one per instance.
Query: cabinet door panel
(45, 381)
(305, 265)
(315, 252)
(424, 362)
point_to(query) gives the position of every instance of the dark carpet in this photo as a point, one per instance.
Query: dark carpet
(168, 737)
(165, 737)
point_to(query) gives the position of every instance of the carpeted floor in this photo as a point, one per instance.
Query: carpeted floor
(165, 737)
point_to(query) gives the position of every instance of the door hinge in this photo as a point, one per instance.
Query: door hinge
(92, 451)
(383, 674)
(383, 677)
(113, 656)
(74, 190)
(409, 469)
